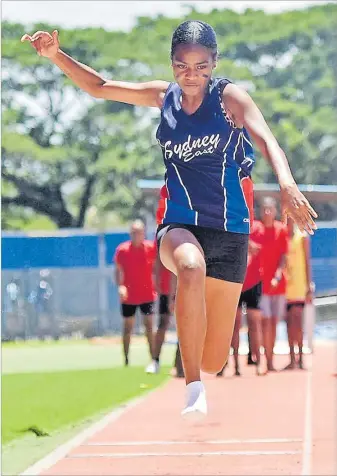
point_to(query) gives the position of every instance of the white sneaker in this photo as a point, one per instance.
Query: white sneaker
(153, 367)
(196, 404)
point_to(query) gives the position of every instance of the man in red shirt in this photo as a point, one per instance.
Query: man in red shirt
(273, 262)
(134, 261)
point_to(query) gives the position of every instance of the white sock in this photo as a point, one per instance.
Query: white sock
(193, 391)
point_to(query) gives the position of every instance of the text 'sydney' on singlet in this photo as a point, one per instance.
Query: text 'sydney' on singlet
(208, 164)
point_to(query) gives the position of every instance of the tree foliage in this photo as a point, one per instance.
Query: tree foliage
(65, 153)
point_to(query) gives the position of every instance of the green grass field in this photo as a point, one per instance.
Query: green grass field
(55, 388)
(48, 401)
(41, 356)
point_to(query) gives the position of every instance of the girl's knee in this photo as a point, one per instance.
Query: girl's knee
(190, 270)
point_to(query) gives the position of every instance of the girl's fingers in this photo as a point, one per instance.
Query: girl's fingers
(37, 45)
(310, 220)
(304, 221)
(312, 211)
(39, 34)
(26, 37)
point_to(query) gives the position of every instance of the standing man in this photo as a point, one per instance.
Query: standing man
(273, 261)
(165, 290)
(134, 261)
(300, 289)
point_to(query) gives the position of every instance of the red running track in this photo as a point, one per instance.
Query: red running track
(280, 424)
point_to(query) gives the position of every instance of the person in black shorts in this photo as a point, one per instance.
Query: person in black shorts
(206, 129)
(134, 261)
(250, 299)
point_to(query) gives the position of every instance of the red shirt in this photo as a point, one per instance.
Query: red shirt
(161, 209)
(165, 277)
(254, 271)
(137, 264)
(274, 245)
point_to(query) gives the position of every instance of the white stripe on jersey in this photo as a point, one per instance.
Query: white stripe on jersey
(168, 192)
(223, 180)
(196, 218)
(228, 142)
(164, 216)
(248, 161)
(187, 195)
(224, 192)
(223, 176)
(244, 196)
(237, 145)
(245, 138)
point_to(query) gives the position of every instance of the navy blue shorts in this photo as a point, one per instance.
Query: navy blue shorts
(225, 252)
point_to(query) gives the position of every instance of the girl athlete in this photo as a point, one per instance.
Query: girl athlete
(205, 132)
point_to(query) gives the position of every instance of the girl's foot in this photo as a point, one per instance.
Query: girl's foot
(196, 405)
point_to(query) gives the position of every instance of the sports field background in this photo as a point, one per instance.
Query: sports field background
(51, 390)
(54, 389)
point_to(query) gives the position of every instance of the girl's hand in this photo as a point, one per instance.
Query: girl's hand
(296, 206)
(45, 44)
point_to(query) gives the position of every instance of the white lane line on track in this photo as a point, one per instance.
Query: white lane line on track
(307, 433)
(205, 442)
(61, 452)
(178, 454)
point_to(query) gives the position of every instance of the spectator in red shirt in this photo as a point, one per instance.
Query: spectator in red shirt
(165, 289)
(134, 261)
(273, 262)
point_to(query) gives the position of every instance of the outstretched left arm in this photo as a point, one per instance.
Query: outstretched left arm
(246, 114)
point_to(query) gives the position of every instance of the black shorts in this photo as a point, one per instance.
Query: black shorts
(129, 310)
(295, 303)
(251, 297)
(164, 304)
(225, 252)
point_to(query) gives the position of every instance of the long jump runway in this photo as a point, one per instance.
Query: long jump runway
(280, 424)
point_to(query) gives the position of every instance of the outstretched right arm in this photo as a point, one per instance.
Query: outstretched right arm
(149, 94)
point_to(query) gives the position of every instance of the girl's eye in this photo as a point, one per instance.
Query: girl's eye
(202, 66)
(181, 66)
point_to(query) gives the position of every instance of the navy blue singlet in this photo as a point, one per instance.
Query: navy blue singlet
(208, 164)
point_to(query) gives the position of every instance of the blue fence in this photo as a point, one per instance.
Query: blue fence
(82, 251)
(50, 252)
(60, 285)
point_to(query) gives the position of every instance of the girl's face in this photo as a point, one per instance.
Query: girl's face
(192, 68)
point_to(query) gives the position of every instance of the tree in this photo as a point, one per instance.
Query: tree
(59, 146)
(64, 153)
